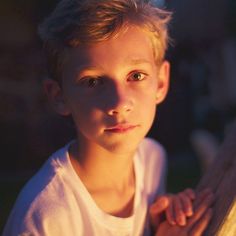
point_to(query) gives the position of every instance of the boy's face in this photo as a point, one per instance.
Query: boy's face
(111, 89)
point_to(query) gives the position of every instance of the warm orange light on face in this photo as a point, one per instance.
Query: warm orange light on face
(113, 85)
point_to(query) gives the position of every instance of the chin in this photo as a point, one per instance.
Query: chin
(121, 148)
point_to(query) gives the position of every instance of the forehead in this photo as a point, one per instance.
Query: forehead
(130, 46)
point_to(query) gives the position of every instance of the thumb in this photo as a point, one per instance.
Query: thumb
(156, 210)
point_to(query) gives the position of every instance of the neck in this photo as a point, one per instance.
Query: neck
(99, 168)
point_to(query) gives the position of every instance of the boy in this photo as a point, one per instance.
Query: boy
(106, 61)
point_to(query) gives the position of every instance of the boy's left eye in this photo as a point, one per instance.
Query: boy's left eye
(137, 76)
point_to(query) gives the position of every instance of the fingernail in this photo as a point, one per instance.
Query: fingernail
(163, 201)
(189, 212)
(173, 222)
(182, 221)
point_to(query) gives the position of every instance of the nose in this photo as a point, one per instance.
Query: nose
(120, 102)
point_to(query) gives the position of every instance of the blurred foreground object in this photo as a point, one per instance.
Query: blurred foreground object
(221, 178)
(206, 147)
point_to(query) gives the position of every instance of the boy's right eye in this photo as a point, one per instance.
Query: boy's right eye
(91, 82)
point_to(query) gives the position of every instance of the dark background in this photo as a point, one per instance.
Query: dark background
(202, 94)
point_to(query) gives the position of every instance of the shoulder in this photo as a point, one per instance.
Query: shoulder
(41, 197)
(153, 162)
(152, 150)
(45, 181)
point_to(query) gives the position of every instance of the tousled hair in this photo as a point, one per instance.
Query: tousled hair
(76, 22)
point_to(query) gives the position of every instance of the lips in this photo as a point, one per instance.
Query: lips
(120, 128)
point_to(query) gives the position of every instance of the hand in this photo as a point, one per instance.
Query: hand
(180, 207)
(177, 208)
(196, 224)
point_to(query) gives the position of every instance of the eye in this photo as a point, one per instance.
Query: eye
(137, 76)
(91, 82)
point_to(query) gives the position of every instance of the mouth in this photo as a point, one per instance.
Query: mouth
(121, 128)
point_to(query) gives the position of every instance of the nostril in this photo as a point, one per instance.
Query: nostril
(112, 112)
(120, 110)
(127, 108)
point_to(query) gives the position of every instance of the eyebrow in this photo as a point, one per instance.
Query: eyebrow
(134, 61)
(82, 68)
(128, 62)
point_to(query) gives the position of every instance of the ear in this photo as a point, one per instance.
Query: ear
(163, 82)
(55, 96)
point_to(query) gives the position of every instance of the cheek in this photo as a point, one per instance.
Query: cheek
(150, 111)
(86, 121)
(148, 97)
(146, 109)
(148, 104)
(85, 114)
(150, 116)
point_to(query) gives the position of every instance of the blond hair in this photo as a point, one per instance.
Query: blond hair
(75, 22)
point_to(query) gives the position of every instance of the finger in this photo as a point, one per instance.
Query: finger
(156, 210)
(190, 193)
(186, 204)
(160, 205)
(201, 196)
(200, 210)
(201, 226)
(178, 211)
(170, 214)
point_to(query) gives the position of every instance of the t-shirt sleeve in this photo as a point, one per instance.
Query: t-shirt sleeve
(48, 214)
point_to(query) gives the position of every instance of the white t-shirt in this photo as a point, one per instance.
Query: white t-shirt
(56, 203)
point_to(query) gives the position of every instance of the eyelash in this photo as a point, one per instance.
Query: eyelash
(143, 76)
(92, 82)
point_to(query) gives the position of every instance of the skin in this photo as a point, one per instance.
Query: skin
(178, 207)
(111, 90)
(117, 97)
(195, 225)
